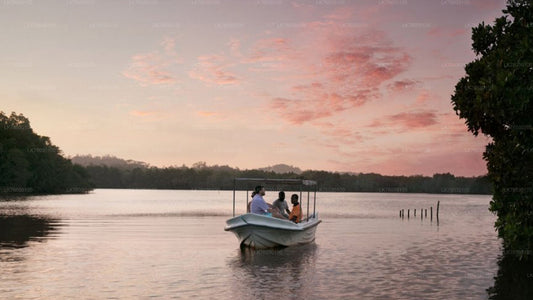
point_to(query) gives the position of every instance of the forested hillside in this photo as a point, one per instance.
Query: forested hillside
(201, 176)
(31, 164)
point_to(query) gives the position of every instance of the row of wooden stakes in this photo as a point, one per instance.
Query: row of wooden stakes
(423, 212)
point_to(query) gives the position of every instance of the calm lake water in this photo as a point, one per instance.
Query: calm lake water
(171, 244)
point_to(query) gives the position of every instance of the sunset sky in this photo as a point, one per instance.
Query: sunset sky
(358, 86)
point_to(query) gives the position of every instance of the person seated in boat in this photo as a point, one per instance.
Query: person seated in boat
(296, 212)
(258, 204)
(281, 205)
(250, 203)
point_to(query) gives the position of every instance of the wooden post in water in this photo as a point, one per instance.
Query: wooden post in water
(414, 215)
(431, 212)
(421, 214)
(403, 213)
(400, 213)
(438, 204)
(408, 213)
(426, 212)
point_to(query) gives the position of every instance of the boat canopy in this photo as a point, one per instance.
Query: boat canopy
(303, 184)
(279, 181)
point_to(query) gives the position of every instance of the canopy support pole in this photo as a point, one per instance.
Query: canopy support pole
(234, 182)
(307, 204)
(301, 200)
(314, 203)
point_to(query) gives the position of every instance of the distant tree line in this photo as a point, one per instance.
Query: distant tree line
(31, 164)
(201, 176)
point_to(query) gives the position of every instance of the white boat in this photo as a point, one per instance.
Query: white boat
(261, 231)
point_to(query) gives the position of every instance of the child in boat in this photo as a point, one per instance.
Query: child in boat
(296, 212)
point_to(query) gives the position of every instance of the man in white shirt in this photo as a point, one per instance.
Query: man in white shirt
(259, 205)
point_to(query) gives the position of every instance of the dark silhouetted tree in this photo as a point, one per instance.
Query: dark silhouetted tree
(30, 163)
(495, 98)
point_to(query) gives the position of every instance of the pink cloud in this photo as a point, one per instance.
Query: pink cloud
(367, 57)
(324, 105)
(211, 69)
(422, 97)
(269, 50)
(148, 69)
(305, 88)
(406, 120)
(153, 67)
(402, 85)
(353, 65)
(412, 120)
(376, 123)
(296, 112)
(141, 113)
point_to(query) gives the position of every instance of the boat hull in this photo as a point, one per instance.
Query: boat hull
(261, 232)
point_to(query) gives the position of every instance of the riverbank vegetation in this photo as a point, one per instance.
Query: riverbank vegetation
(110, 172)
(31, 164)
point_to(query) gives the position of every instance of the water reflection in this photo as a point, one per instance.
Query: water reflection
(514, 279)
(274, 272)
(17, 230)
